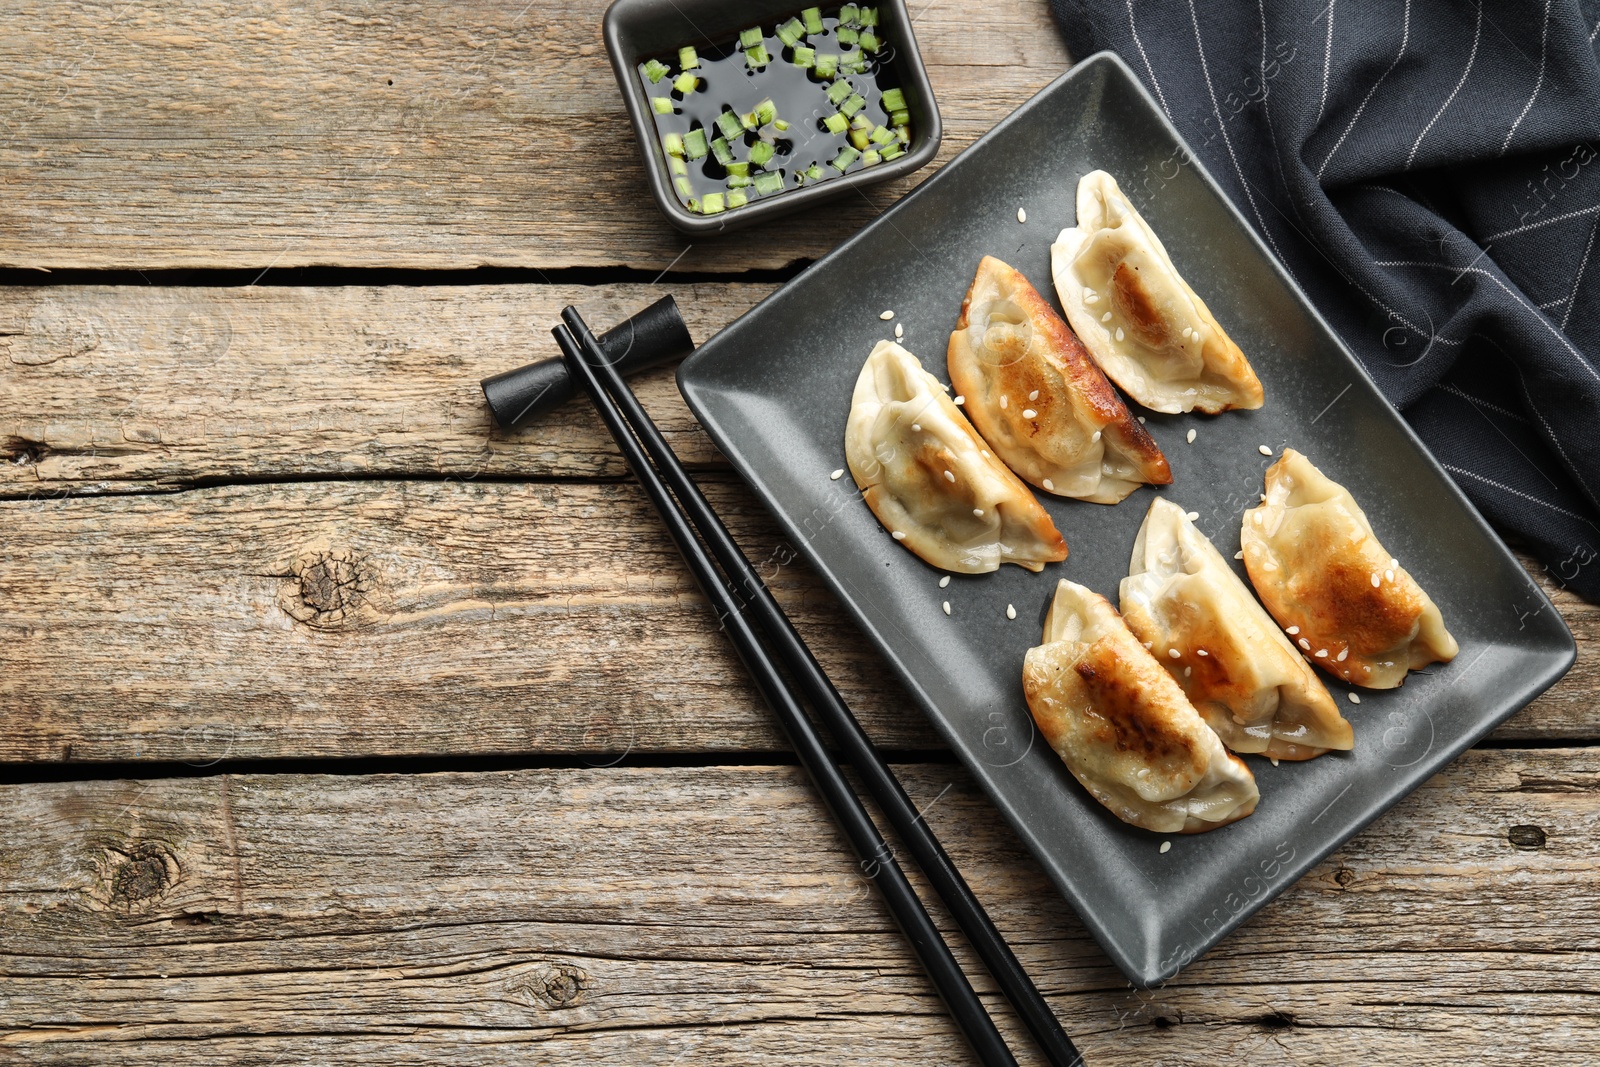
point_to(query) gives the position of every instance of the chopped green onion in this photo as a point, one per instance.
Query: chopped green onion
(805, 57)
(854, 63)
(662, 104)
(827, 64)
(676, 165)
(899, 118)
(799, 177)
(757, 57)
(729, 124)
(750, 38)
(853, 103)
(736, 198)
(849, 15)
(672, 144)
(869, 16)
(792, 32)
(882, 135)
(724, 154)
(712, 204)
(861, 122)
(845, 35)
(748, 121)
(688, 59)
(684, 186)
(739, 170)
(894, 100)
(846, 156)
(870, 158)
(894, 151)
(869, 41)
(813, 17)
(655, 70)
(694, 205)
(738, 181)
(765, 112)
(859, 138)
(837, 93)
(815, 172)
(694, 144)
(685, 83)
(771, 182)
(780, 125)
(836, 123)
(761, 152)
(903, 134)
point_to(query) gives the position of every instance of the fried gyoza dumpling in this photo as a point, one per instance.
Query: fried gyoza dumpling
(1039, 400)
(932, 481)
(1320, 570)
(1124, 728)
(1140, 321)
(1201, 623)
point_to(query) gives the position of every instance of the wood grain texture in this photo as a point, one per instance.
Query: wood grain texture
(142, 134)
(710, 915)
(355, 618)
(115, 388)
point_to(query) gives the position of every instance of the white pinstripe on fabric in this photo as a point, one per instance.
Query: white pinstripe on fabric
(1515, 492)
(1477, 35)
(1544, 56)
(1134, 28)
(1327, 62)
(1405, 36)
(1572, 297)
(1542, 223)
(1496, 408)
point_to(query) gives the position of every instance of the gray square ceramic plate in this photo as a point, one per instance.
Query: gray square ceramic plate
(774, 388)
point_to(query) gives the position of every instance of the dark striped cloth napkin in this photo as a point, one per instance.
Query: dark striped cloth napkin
(1429, 171)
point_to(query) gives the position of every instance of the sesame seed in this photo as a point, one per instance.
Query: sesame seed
(1029, 413)
(1087, 292)
(1303, 643)
(1120, 334)
(1187, 671)
(1141, 420)
(917, 426)
(1264, 450)
(1201, 652)
(1376, 581)
(1011, 612)
(1022, 215)
(1174, 653)
(1239, 554)
(1034, 395)
(944, 581)
(1394, 563)
(1095, 437)
(1190, 436)
(978, 512)
(949, 477)
(1263, 497)
(1091, 297)
(1106, 317)
(985, 453)
(959, 400)
(1148, 645)
(1322, 653)
(1342, 654)
(899, 331)
(1048, 484)
(886, 316)
(836, 475)
(1354, 699)
(1192, 515)
(1004, 400)
(1274, 760)
(947, 607)
(1166, 846)
(1294, 629)
(898, 535)
(1388, 576)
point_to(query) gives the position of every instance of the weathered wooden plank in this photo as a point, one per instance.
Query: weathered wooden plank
(109, 388)
(455, 617)
(710, 915)
(349, 618)
(397, 134)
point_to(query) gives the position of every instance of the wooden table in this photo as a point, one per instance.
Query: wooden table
(338, 726)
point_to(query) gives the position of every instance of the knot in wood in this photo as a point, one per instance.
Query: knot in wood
(328, 588)
(135, 878)
(555, 986)
(1526, 837)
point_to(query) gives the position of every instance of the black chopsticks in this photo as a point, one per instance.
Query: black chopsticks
(642, 444)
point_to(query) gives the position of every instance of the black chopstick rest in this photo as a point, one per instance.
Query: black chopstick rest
(652, 337)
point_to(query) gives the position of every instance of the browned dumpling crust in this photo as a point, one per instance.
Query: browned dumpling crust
(1202, 624)
(932, 481)
(1042, 404)
(1345, 602)
(1123, 726)
(1146, 328)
